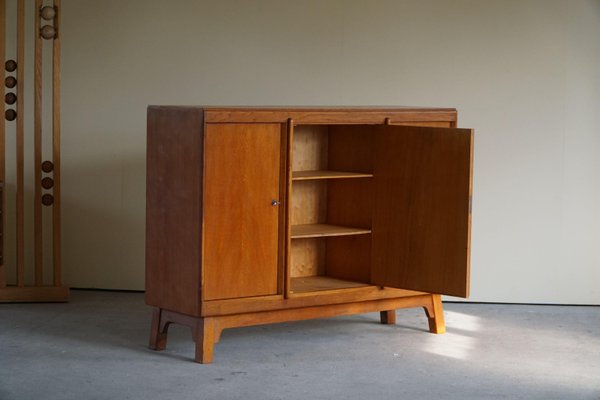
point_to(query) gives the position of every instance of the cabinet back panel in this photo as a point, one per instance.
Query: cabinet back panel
(242, 167)
(309, 202)
(349, 258)
(310, 148)
(350, 148)
(349, 202)
(308, 257)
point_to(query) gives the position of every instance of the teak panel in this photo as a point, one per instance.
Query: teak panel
(350, 148)
(349, 258)
(421, 209)
(241, 224)
(329, 115)
(173, 208)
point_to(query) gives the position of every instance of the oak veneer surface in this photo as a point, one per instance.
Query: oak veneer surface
(241, 224)
(421, 210)
(173, 208)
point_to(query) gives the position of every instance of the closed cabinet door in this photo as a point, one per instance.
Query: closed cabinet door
(241, 210)
(421, 211)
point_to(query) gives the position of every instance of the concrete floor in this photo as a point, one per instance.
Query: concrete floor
(95, 348)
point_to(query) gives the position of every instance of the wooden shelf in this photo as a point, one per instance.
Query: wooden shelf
(324, 230)
(321, 174)
(319, 283)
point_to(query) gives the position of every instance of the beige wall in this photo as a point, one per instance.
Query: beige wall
(524, 74)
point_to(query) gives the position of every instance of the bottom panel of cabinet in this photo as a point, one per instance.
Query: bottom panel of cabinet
(309, 284)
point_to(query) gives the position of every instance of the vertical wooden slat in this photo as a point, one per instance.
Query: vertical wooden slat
(37, 132)
(288, 207)
(2, 143)
(20, 143)
(56, 215)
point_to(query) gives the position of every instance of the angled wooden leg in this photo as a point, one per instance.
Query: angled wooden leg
(435, 314)
(158, 330)
(388, 317)
(204, 336)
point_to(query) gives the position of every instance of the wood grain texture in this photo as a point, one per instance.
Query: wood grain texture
(2, 151)
(309, 202)
(330, 115)
(56, 155)
(325, 311)
(206, 331)
(173, 208)
(284, 185)
(435, 124)
(288, 204)
(241, 224)
(307, 257)
(310, 148)
(349, 258)
(435, 314)
(325, 230)
(299, 300)
(37, 151)
(420, 215)
(20, 144)
(320, 283)
(322, 174)
(350, 148)
(350, 202)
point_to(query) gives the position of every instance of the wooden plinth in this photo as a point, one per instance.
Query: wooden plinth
(34, 294)
(207, 331)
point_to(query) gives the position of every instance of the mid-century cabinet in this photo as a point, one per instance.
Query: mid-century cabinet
(262, 215)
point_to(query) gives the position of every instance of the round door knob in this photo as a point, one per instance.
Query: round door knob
(275, 203)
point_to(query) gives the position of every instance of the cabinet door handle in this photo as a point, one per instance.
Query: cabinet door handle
(275, 203)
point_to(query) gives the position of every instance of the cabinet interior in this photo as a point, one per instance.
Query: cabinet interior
(331, 207)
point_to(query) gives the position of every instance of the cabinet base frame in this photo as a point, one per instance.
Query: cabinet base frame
(206, 331)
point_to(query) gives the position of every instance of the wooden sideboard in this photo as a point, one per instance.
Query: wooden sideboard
(263, 215)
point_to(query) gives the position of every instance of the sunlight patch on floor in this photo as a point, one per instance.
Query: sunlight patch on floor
(450, 345)
(462, 321)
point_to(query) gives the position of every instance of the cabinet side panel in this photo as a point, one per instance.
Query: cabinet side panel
(173, 208)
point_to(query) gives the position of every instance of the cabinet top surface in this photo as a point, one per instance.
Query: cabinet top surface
(310, 108)
(314, 114)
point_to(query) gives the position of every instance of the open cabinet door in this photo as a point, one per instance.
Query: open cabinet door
(422, 211)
